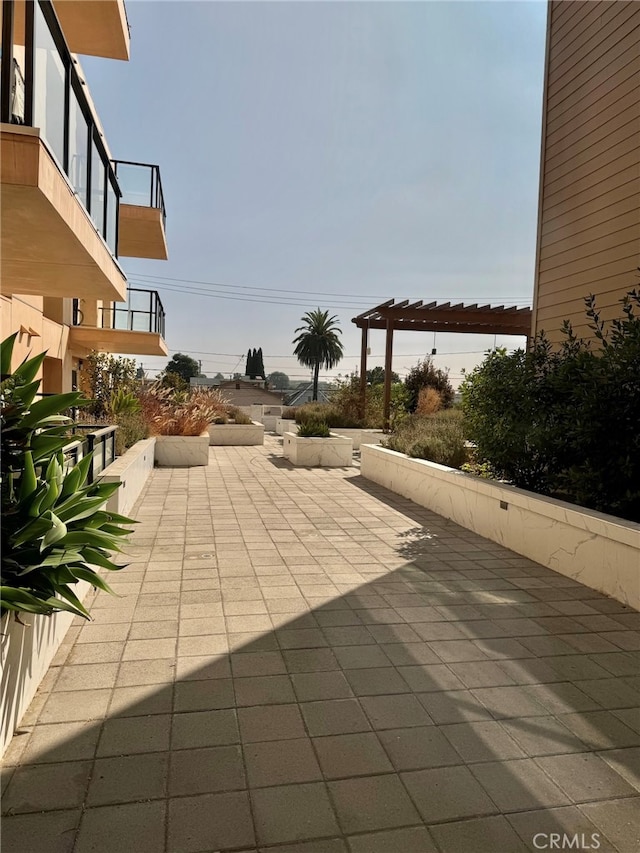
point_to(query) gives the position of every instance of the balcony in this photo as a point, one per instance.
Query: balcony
(136, 328)
(90, 28)
(141, 226)
(60, 195)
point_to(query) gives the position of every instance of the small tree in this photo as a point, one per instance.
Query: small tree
(184, 366)
(279, 380)
(375, 376)
(426, 375)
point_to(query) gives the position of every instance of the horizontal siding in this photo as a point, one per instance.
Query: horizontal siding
(604, 166)
(600, 190)
(609, 289)
(597, 253)
(618, 201)
(608, 306)
(560, 279)
(591, 73)
(593, 98)
(595, 146)
(572, 34)
(602, 30)
(581, 135)
(579, 233)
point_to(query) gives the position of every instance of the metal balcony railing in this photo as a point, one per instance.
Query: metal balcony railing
(140, 184)
(142, 313)
(47, 93)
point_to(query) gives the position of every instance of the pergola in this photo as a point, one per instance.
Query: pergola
(431, 317)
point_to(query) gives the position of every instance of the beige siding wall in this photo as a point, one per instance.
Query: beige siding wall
(589, 229)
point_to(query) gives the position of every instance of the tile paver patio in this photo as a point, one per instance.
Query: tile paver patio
(301, 661)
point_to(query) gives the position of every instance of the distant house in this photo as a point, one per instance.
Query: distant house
(242, 392)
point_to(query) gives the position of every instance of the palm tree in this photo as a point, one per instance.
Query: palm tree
(318, 343)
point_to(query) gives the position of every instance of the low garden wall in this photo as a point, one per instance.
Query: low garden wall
(26, 652)
(598, 550)
(132, 471)
(236, 435)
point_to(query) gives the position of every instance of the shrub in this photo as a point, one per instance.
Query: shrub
(55, 529)
(429, 401)
(426, 375)
(132, 427)
(181, 412)
(564, 422)
(314, 429)
(238, 416)
(289, 412)
(438, 438)
(104, 375)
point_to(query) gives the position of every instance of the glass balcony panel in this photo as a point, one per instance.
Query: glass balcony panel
(48, 87)
(98, 176)
(112, 217)
(136, 184)
(78, 148)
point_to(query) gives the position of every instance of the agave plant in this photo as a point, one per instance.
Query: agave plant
(54, 525)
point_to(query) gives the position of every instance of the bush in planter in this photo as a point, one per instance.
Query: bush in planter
(564, 422)
(437, 438)
(169, 412)
(328, 413)
(238, 416)
(314, 429)
(54, 527)
(426, 375)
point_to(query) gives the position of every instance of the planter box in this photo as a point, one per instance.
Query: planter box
(236, 435)
(333, 452)
(182, 451)
(267, 415)
(360, 436)
(285, 425)
(598, 550)
(132, 471)
(27, 651)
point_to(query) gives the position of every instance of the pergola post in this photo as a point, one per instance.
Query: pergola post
(363, 371)
(388, 355)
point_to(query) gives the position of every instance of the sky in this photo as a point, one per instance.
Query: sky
(331, 155)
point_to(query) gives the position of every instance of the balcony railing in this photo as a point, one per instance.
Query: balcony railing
(142, 313)
(52, 98)
(140, 185)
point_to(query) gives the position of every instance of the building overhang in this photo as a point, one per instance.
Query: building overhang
(122, 341)
(90, 27)
(50, 246)
(141, 233)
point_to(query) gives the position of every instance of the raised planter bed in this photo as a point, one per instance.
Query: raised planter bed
(182, 451)
(333, 452)
(132, 471)
(285, 425)
(595, 549)
(26, 653)
(236, 435)
(360, 436)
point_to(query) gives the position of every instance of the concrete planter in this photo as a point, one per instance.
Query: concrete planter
(285, 425)
(182, 451)
(333, 452)
(132, 471)
(595, 549)
(267, 415)
(236, 435)
(26, 652)
(360, 436)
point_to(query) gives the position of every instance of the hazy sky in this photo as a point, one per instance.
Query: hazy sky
(331, 155)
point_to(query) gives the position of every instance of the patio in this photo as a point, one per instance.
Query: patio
(302, 661)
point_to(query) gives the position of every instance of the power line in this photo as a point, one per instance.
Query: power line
(350, 296)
